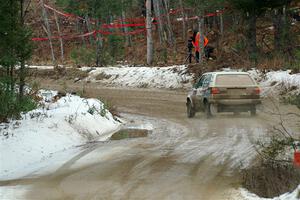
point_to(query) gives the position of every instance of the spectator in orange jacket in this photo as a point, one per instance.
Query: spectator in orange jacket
(195, 37)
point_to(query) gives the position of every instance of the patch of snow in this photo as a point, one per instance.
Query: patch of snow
(142, 77)
(41, 67)
(53, 127)
(287, 196)
(44, 67)
(276, 82)
(13, 192)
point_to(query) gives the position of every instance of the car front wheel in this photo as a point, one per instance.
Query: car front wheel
(190, 110)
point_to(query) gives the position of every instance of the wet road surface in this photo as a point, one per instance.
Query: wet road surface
(181, 159)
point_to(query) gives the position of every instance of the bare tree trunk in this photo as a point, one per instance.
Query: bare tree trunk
(98, 46)
(201, 41)
(12, 80)
(22, 78)
(149, 33)
(251, 37)
(171, 38)
(60, 39)
(22, 73)
(215, 23)
(287, 39)
(48, 31)
(158, 17)
(127, 37)
(184, 37)
(278, 26)
(221, 25)
(79, 30)
(88, 25)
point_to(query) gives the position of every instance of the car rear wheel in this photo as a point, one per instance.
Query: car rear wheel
(213, 109)
(190, 110)
(253, 111)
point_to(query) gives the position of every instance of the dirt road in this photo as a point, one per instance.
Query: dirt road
(181, 159)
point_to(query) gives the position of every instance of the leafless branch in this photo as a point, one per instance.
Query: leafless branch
(266, 157)
(26, 9)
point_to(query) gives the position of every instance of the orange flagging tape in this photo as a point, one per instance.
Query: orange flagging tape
(94, 33)
(139, 22)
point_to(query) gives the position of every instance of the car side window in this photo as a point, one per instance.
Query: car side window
(207, 80)
(200, 82)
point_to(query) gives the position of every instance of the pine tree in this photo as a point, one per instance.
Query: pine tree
(15, 49)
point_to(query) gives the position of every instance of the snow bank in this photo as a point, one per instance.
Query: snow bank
(177, 77)
(53, 127)
(276, 82)
(287, 196)
(142, 77)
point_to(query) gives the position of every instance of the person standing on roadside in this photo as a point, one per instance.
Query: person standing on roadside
(195, 37)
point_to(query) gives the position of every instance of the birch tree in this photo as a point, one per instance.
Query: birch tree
(201, 41)
(48, 30)
(149, 32)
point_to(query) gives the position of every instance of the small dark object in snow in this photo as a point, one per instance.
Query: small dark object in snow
(59, 95)
(273, 83)
(76, 80)
(293, 88)
(90, 69)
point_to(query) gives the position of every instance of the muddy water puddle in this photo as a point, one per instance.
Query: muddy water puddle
(130, 133)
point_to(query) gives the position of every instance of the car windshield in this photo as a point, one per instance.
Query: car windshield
(234, 80)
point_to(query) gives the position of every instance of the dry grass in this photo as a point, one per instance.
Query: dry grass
(102, 76)
(276, 63)
(107, 103)
(67, 74)
(269, 179)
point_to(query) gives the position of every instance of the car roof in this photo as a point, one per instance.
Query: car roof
(224, 73)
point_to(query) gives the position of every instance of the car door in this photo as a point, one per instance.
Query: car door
(203, 91)
(205, 86)
(198, 93)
